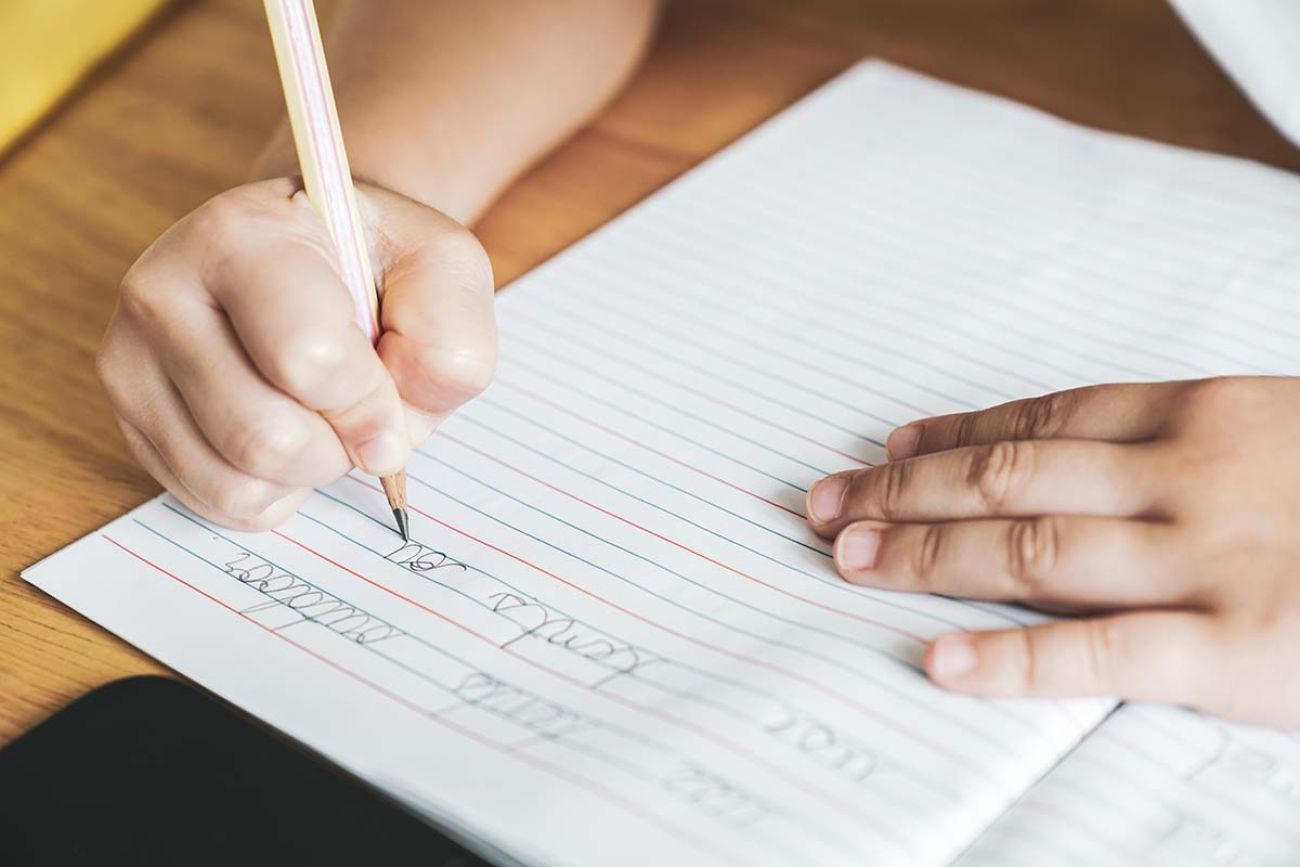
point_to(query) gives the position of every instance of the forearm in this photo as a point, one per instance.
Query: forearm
(447, 101)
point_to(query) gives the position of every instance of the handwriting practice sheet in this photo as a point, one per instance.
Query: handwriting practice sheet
(612, 638)
(1158, 786)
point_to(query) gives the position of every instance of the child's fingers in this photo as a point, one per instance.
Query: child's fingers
(1122, 412)
(1051, 560)
(244, 310)
(436, 377)
(148, 405)
(1167, 656)
(149, 458)
(294, 317)
(440, 337)
(257, 428)
(1005, 479)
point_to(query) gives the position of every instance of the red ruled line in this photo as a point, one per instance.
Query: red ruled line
(650, 449)
(888, 627)
(866, 710)
(822, 795)
(590, 786)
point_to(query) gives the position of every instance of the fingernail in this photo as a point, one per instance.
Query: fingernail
(826, 499)
(283, 507)
(382, 454)
(248, 501)
(903, 442)
(855, 550)
(954, 655)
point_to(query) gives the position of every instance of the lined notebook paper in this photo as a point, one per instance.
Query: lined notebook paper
(613, 640)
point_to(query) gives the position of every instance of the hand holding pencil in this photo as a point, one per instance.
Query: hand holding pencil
(237, 366)
(327, 178)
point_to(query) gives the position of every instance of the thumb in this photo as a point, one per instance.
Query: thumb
(440, 337)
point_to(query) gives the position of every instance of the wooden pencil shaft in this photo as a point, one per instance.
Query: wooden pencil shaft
(318, 139)
(323, 161)
(395, 489)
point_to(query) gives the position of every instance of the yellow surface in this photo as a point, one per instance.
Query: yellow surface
(46, 46)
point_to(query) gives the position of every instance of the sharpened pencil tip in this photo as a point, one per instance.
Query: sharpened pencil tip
(403, 524)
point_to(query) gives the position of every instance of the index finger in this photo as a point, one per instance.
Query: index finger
(1124, 412)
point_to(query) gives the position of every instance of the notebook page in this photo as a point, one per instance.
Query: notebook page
(614, 639)
(1158, 786)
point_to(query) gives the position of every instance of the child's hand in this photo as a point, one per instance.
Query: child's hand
(1174, 506)
(236, 371)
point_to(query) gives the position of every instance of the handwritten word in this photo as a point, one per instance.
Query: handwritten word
(534, 618)
(825, 746)
(547, 719)
(307, 601)
(421, 558)
(716, 796)
(537, 620)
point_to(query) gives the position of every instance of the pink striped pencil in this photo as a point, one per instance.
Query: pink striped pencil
(326, 176)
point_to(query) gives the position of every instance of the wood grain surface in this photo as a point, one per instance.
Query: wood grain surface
(179, 115)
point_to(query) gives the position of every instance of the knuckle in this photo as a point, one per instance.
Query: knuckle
(1223, 394)
(1032, 546)
(110, 374)
(964, 429)
(456, 374)
(307, 363)
(996, 470)
(144, 299)
(894, 488)
(223, 217)
(459, 251)
(266, 449)
(1030, 672)
(1100, 649)
(929, 555)
(1041, 417)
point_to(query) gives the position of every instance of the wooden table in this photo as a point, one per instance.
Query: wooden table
(180, 114)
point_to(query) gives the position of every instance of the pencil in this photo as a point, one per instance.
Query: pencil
(318, 139)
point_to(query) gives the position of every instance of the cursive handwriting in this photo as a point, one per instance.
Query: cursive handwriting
(537, 620)
(825, 746)
(715, 795)
(546, 718)
(307, 601)
(421, 558)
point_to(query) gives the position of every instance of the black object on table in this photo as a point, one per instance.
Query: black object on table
(149, 770)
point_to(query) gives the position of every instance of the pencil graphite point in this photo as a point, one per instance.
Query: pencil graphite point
(395, 491)
(322, 159)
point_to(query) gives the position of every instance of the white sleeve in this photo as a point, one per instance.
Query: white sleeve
(1258, 43)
